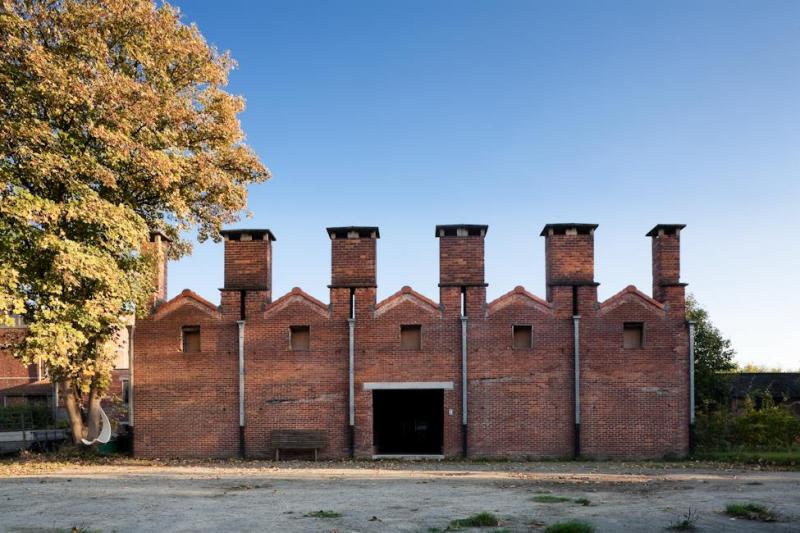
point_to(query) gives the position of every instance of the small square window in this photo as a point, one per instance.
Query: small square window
(523, 337)
(300, 337)
(411, 337)
(633, 335)
(191, 339)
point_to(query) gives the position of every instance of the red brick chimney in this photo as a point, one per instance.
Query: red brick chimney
(158, 243)
(354, 267)
(569, 265)
(248, 271)
(667, 286)
(461, 266)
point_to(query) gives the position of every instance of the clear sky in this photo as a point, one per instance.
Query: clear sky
(409, 114)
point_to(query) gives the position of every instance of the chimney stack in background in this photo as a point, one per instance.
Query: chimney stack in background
(158, 243)
(569, 266)
(461, 267)
(354, 268)
(667, 286)
(248, 271)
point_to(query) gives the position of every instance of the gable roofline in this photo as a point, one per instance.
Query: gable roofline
(518, 291)
(185, 296)
(292, 295)
(631, 290)
(405, 292)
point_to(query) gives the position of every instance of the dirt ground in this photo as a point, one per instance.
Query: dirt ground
(265, 496)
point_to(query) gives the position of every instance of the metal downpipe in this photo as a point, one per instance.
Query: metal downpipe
(464, 417)
(351, 393)
(691, 388)
(576, 339)
(240, 323)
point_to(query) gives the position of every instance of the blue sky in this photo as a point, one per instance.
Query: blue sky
(409, 114)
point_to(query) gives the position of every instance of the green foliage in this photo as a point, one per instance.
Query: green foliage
(750, 511)
(769, 427)
(688, 522)
(570, 526)
(18, 417)
(483, 519)
(113, 122)
(583, 501)
(323, 514)
(713, 357)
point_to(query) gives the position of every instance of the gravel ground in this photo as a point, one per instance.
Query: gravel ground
(127, 495)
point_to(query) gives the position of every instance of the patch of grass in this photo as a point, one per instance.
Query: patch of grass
(688, 522)
(323, 514)
(582, 501)
(570, 526)
(549, 498)
(477, 520)
(750, 511)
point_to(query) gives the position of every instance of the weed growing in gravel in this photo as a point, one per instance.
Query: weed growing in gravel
(750, 511)
(571, 526)
(686, 523)
(477, 520)
(582, 501)
(549, 498)
(323, 514)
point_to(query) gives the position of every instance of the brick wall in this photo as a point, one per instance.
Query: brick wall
(520, 401)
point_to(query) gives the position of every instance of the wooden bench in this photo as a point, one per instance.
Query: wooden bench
(298, 439)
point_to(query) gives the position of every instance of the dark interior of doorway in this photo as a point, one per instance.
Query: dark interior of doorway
(408, 422)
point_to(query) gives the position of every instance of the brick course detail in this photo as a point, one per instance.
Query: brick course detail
(520, 401)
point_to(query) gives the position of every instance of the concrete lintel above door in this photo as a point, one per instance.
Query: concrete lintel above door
(408, 385)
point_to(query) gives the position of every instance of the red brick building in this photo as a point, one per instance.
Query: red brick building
(519, 376)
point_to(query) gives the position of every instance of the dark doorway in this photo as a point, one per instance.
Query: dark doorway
(408, 422)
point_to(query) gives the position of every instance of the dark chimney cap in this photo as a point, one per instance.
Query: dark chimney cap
(668, 229)
(155, 233)
(255, 234)
(354, 232)
(561, 229)
(471, 230)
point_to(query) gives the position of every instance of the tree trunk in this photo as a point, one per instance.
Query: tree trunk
(94, 423)
(72, 401)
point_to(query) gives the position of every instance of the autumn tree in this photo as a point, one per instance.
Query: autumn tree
(713, 355)
(114, 121)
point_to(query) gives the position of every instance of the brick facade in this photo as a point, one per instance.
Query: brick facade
(521, 400)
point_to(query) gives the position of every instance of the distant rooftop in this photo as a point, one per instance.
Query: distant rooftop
(777, 383)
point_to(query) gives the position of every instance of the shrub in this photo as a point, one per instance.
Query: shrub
(477, 520)
(571, 526)
(768, 427)
(18, 417)
(750, 511)
(687, 523)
